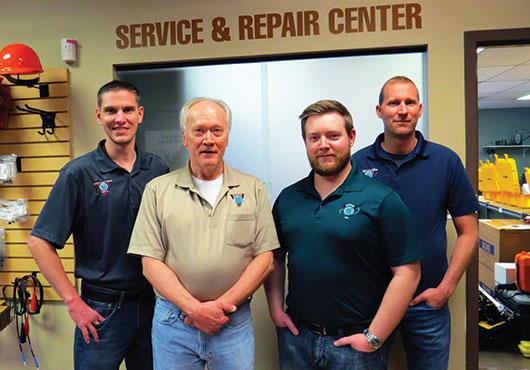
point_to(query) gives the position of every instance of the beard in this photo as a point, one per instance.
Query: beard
(341, 161)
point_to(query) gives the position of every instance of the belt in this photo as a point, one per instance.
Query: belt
(330, 330)
(112, 296)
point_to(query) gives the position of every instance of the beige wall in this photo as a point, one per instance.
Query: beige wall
(41, 25)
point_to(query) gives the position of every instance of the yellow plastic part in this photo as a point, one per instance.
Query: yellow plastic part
(481, 176)
(488, 181)
(524, 347)
(487, 326)
(508, 179)
(524, 200)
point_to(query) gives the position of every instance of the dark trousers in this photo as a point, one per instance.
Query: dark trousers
(124, 334)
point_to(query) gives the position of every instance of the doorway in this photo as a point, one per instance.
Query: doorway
(473, 40)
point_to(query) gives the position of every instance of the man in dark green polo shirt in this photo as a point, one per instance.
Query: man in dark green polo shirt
(353, 257)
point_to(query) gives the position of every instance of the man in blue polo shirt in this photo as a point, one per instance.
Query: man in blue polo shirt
(353, 257)
(432, 181)
(96, 198)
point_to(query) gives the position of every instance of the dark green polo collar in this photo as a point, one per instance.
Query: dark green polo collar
(351, 183)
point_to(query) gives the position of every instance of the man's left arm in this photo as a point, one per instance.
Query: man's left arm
(263, 262)
(392, 308)
(467, 236)
(250, 280)
(403, 254)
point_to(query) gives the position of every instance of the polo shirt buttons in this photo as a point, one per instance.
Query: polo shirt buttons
(316, 215)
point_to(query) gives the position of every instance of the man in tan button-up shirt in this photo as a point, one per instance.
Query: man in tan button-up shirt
(205, 234)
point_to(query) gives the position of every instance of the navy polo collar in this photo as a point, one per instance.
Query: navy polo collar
(421, 149)
(105, 164)
(351, 183)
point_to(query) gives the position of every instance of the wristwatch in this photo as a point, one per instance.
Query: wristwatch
(373, 340)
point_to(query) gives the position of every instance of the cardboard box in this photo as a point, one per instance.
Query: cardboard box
(504, 272)
(500, 240)
(486, 279)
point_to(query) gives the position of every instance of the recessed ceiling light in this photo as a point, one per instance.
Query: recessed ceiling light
(525, 97)
(480, 50)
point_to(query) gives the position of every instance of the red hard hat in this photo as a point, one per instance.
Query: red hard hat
(19, 59)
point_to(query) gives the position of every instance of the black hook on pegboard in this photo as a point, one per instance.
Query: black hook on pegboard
(48, 119)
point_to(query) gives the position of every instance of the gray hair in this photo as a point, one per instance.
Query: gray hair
(183, 116)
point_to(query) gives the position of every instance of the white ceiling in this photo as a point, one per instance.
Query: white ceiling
(503, 76)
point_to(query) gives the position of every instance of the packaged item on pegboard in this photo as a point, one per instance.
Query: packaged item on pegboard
(13, 210)
(8, 168)
(2, 246)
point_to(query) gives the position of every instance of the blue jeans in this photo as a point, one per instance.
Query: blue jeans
(124, 334)
(184, 347)
(309, 350)
(426, 334)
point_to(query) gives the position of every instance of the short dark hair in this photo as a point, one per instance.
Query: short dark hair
(327, 106)
(396, 79)
(118, 85)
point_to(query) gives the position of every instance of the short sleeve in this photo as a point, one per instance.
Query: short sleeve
(462, 199)
(398, 234)
(266, 238)
(56, 220)
(146, 238)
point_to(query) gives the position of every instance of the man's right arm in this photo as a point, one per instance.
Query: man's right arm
(147, 243)
(208, 316)
(51, 267)
(275, 292)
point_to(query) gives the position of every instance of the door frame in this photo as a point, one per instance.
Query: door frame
(472, 40)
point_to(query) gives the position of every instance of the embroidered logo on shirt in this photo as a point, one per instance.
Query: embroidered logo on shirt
(238, 199)
(103, 186)
(372, 172)
(349, 210)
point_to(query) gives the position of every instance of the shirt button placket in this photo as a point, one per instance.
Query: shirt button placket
(317, 211)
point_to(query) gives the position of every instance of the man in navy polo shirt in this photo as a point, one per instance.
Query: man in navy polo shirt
(432, 181)
(353, 257)
(96, 198)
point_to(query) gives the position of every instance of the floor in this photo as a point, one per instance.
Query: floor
(505, 359)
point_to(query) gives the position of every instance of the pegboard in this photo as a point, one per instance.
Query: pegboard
(40, 158)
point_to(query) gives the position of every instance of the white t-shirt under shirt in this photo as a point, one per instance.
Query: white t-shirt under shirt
(210, 189)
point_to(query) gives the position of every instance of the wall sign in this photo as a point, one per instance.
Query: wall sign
(337, 21)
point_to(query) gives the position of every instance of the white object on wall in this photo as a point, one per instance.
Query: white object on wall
(68, 50)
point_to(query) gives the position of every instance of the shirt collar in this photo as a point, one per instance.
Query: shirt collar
(351, 183)
(105, 164)
(184, 179)
(421, 149)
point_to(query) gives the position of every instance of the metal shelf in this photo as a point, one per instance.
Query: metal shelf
(505, 209)
(493, 147)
